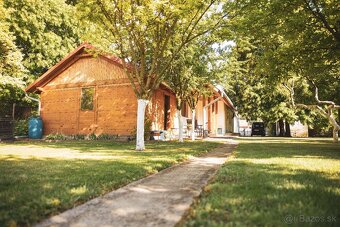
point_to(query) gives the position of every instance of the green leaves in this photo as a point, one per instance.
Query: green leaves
(10, 61)
(12, 72)
(45, 31)
(189, 75)
(277, 41)
(34, 35)
(149, 35)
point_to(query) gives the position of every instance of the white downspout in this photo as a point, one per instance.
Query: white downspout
(36, 100)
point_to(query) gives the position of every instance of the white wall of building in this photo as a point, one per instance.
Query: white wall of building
(218, 120)
(297, 129)
(221, 117)
(199, 112)
(236, 124)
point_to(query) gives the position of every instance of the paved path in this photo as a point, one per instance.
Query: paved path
(158, 200)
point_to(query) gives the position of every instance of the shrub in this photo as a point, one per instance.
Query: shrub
(21, 127)
(77, 137)
(55, 137)
(147, 128)
(81, 137)
(92, 136)
(107, 137)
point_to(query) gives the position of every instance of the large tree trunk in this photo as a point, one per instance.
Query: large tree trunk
(193, 125)
(282, 127)
(335, 135)
(142, 103)
(180, 126)
(287, 126)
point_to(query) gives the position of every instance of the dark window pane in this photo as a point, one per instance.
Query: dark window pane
(87, 98)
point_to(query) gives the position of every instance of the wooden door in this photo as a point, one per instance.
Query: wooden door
(166, 112)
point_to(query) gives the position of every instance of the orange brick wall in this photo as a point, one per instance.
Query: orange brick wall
(115, 104)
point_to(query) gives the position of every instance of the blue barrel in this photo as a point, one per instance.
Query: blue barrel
(35, 128)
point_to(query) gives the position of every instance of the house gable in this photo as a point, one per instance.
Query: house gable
(72, 61)
(87, 71)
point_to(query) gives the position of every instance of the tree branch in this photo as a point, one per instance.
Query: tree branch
(328, 114)
(318, 100)
(291, 91)
(319, 15)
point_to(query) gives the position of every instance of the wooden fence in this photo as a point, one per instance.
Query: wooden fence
(6, 128)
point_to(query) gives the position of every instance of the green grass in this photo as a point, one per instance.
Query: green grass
(39, 179)
(274, 182)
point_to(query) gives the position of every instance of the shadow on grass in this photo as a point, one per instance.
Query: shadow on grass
(289, 150)
(31, 190)
(247, 192)
(153, 148)
(34, 188)
(267, 197)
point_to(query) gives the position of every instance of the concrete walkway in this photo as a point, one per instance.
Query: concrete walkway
(158, 200)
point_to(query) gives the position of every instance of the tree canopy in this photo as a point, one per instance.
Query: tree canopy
(12, 72)
(189, 76)
(34, 36)
(45, 31)
(280, 44)
(148, 36)
(282, 52)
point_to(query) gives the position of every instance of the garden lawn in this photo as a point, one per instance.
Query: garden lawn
(40, 179)
(274, 182)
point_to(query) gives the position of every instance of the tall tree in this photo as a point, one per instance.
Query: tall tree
(199, 87)
(45, 31)
(252, 91)
(12, 72)
(298, 39)
(179, 81)
(189, 76)
(148, 36)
